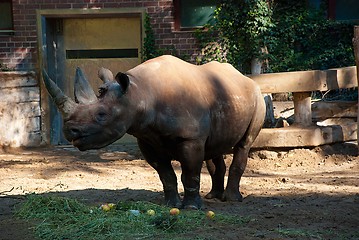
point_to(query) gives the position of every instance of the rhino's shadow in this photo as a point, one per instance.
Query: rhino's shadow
(94, 196)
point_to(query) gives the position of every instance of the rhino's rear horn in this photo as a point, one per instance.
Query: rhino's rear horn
(83, 91)
(65, 104)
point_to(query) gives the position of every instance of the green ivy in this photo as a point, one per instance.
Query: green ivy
(150, 50)
(287, 34)
(305, 40)
(149, 45)
(241, 32)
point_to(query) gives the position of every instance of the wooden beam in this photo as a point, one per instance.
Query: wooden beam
(297, 136)
(342, 109)
(307, 81)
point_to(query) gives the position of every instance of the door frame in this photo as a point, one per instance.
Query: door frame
(44, 17)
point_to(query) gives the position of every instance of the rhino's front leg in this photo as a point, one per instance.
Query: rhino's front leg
(165, 171)
(191, 156)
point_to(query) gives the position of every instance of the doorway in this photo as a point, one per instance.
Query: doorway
(109, 39)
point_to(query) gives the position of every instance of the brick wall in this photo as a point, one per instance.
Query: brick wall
(19, 51)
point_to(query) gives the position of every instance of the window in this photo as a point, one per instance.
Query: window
(191, 14)
(6, 19)
(343, 9)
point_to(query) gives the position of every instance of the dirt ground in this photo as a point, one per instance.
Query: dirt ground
(289, 194)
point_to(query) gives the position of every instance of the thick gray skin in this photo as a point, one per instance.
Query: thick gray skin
(177, 111)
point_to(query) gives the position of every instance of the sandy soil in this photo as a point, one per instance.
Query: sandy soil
(289, 194)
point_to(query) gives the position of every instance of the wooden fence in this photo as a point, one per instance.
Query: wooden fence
(305, 132)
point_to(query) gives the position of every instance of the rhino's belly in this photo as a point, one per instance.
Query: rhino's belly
(222, 139)
(221, 145)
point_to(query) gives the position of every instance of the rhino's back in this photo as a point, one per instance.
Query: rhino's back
(169, 77)
(212, 101)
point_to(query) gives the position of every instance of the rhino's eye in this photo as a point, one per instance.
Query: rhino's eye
(101, 116)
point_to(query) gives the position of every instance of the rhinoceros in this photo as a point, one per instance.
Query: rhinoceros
(177, 111)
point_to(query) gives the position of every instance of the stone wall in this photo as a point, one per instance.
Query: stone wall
(20, 114)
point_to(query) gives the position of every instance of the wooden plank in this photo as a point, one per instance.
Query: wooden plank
(307, 81)
(17, 79)
(296, 136)
(25, 94)
(320, 109)
(336, 121)
(338, 109)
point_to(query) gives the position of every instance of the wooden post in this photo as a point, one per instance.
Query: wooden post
(302, 108)
(356, 53)
(269, 121)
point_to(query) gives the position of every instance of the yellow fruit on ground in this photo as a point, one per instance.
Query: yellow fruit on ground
(210, 214)
(174, 211)
(111, 205)
(105, 207)
(151, 212)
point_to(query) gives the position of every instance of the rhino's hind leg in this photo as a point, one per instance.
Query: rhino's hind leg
(241, 150)
(236, 170)
(217, 169)
(165, 171)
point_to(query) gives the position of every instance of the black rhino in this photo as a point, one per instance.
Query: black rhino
(177, 111)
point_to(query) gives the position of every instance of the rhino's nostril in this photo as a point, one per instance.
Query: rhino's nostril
(74, 132)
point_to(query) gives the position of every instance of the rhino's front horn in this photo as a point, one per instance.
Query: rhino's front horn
(65, 104)
(83, 91)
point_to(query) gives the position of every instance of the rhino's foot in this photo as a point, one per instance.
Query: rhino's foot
(175, 204)
(231, 196)
(194, 203)
(191, 207)
(214, 194)
(173, 199)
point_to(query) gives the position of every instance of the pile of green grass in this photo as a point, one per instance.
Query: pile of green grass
(65, 218)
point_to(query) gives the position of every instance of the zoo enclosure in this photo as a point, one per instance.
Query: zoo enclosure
(316, 123)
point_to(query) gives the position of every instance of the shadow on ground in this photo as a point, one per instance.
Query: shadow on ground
(281, 217)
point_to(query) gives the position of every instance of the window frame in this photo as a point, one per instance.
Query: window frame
(177, 18)
(331, 9)
(332, 12)
(10, 30)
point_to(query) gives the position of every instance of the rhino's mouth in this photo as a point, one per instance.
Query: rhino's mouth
(79, 143)
(87, 142)
(76, 142)
(82, 142)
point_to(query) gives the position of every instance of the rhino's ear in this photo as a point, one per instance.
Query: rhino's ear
(123, 80)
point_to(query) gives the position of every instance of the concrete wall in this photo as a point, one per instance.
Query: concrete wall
(19, 110)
